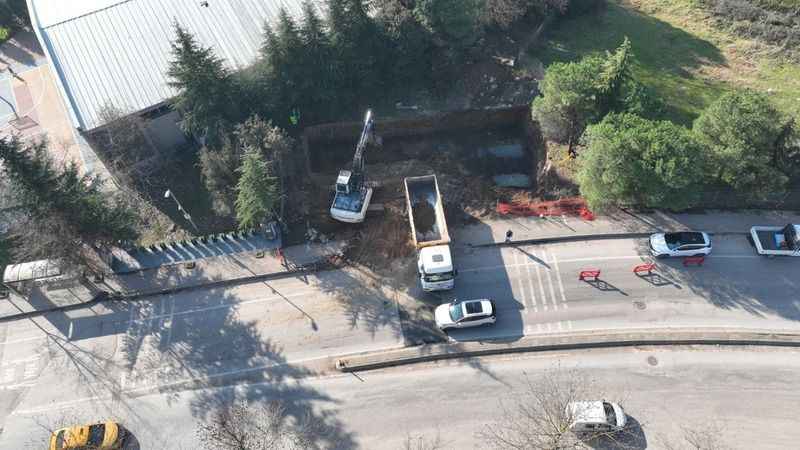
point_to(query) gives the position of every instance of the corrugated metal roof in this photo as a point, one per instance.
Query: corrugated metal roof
(119, 54)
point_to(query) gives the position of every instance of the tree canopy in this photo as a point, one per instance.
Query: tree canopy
(64, 209)
(206, 90)
(632, 160)
(743, 130)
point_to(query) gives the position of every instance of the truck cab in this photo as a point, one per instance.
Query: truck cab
(435, 266)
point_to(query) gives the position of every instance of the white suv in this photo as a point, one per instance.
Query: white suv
(684, 243)
(469, 313)
(595, 417)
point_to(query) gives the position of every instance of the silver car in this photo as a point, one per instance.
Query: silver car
(465, 314)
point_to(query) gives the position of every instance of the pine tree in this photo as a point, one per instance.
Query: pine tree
(258, 191)
(64, 209)
(316, 60)
(615, 74)
(206, 90)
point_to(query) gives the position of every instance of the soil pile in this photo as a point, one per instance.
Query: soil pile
(424, 221)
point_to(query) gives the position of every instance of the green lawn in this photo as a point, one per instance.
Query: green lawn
(677, 53)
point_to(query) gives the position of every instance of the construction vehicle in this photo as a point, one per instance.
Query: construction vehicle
(352, 191)
(429, 233)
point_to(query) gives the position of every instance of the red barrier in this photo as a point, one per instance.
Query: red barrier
(644, 268)
(590, 273)
(697, 260)
(573, 206)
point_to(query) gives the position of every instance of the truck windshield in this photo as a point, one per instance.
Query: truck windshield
(434, 277)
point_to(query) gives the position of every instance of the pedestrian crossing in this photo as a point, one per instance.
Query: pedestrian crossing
(538, 285)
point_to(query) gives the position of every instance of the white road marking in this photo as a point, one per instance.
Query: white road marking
(231, 305)
(21, 360)
(520, 286)
(17, 341)
(602, 258)
(550, 281)
(560, 283)
(532, 289)
(541, 286)
(31, 369)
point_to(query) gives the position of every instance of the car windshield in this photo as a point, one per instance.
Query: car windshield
(96, 435)
(456, 312)
(434, 277)
(611, 416)
(60, 439)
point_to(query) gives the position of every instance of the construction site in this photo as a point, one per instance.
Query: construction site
(480, 157)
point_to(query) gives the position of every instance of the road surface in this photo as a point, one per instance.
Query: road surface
(748, 394)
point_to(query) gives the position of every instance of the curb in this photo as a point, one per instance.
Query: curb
(105, 296)
(587, 237)
(568, 341)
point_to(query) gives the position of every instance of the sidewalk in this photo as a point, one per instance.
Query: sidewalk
(74, 294)
(618, 221)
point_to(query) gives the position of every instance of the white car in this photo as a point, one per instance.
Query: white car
(684, 243)
(595, 416)
(469, 313)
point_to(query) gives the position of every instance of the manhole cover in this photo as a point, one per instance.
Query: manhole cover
(640, 305)
(652, 360)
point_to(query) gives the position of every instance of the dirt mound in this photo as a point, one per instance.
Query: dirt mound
(424, 219)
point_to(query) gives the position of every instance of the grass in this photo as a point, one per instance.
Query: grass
(678, 53)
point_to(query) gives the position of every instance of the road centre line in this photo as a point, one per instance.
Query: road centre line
(600, 258)
(158, 387)
(227, 305)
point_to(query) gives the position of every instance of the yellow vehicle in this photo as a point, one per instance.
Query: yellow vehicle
(96, 436)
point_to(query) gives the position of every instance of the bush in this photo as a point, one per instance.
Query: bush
(455, 21)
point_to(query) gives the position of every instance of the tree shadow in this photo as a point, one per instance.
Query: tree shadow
(632, 437)
(604, 286)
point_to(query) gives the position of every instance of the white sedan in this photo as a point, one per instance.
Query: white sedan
(684, 243)
(469, 313)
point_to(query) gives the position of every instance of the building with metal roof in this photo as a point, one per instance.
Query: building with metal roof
(116, 52)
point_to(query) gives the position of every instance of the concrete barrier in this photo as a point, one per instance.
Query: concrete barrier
(569, 341)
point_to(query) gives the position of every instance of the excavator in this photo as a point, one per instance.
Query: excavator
(352, 190)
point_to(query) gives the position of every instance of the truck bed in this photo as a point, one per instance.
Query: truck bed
(767, 241)
(426, 214)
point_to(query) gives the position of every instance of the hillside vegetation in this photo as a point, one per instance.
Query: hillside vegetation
(681, 53)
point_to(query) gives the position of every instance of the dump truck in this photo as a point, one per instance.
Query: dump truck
(780, 241)
(429, 233)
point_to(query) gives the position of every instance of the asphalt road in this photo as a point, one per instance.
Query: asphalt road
(289, 329)
(747, 395)
(536, 288)
(212, 335)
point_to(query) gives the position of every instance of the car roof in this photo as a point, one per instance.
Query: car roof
(589, 412)
(477, 307)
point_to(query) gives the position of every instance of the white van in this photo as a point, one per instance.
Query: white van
(595, 416)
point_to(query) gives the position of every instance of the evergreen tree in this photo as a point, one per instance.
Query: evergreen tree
(358, 48)
(318, 89)
(258, 191)
(614, 75)
(206, 91)
(742, 130)
(65, 209)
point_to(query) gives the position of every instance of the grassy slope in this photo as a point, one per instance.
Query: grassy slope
(679, 54)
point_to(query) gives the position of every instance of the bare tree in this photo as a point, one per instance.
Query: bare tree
(421, 442)
(242, 426)
(703, 436)
(540, 417)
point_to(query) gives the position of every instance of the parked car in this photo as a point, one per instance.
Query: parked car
(683, 243)
(99, 436)
(465, 314)
(595, 416)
